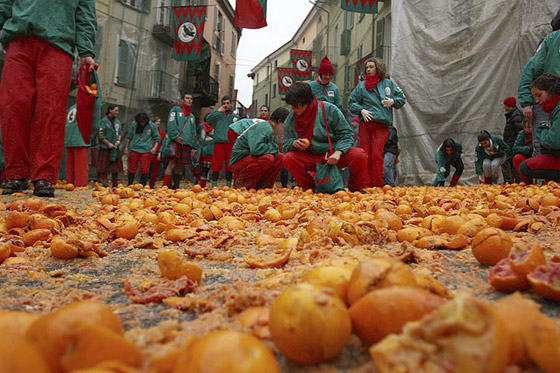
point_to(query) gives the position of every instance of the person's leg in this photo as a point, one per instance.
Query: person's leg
(506, 172)
(356, 159)
(487, 170)
(250, 171)
(169, 171)
(144, 168)
(81, 167)
(177, 175)
(459, 167)
(539, 173)
(299, 164)
(496, 166)
(284, 177)
(517, 160)
(389, 168)
(366, 132)
(380, 133)
(229, 175)
(154, 169)
(539, 116)
(133, 159)
(114, 179)
(218, 158)
(70, 165)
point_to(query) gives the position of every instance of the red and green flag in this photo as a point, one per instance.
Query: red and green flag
(189, 27)
(250, 14)
(301, 61)
(285, 79)
(360, 6)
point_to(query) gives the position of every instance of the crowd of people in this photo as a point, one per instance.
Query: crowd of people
(307, 142)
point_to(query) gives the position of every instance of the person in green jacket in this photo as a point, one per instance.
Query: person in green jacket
(306, 141)
(183, 133)
(490, 153)
(448, 154)
(374, 99)
(546, 89)
(323, 88)
(220, 119)
(255, 159)
(142, 140)
(204, 153)
(77, 168)
(107, 155)
(523, 148)
(40, 38)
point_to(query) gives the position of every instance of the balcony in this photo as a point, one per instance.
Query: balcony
(157, 85)
(203, 87)
(162, 28)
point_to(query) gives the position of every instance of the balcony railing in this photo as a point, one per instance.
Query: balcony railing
(202, 86)
(163, 25)
(158, 85)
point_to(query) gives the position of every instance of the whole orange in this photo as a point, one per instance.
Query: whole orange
(18, 355)
(491, 245)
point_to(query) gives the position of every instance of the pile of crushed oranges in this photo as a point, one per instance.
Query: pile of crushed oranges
(282, 279)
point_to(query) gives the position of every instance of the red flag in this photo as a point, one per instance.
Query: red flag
(250, 14)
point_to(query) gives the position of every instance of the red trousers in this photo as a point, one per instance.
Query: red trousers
(300, 164)
(221, 154)
(77, 168)
(517, 160)
(33, 103)
(155, 165)
(232, 136)
(143, 158)
(373, 136)
(257, 172)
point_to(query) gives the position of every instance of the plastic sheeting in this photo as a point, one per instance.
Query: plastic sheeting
(457, 60)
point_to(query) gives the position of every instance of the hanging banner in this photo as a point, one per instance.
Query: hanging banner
(302, 64)
(360, 6)
(189, 27)
(250, 14)
(285, 79)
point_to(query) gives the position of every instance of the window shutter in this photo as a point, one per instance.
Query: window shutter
(146, 6)
(216, 23)
(122, 71)
(223, 38)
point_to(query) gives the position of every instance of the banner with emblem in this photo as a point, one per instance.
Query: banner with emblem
(250, 14)
(301, 60)
(360, 6)
(189, 27)
(285, 79)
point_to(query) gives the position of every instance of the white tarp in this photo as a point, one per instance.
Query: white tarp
(457, 60)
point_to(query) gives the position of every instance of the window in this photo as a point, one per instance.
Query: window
(348, 20)
(257, 79)
(266, 100)
(335, 51)
(219, 31)
(360, 51)
(126, 63)
(267, 72)
(163, 16)
(275, 64)
(379, 37)
(273, 90)
(217, 71)
(143, 5)
(233, 43)
(231, 86)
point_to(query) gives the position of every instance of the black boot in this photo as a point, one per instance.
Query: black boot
(144, 178)
(175, 181)
(43, 188)
(130, 179)
(15, 186)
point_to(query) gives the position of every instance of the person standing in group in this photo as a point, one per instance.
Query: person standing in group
(523, 148)
(142, 140)
(448, 154)
(491, 153)
(306, 141)
(255, 159)
(546, 89)
(220, 119)
(77, 168)
(155, 163)
(265, 112)
(390, 154)
(323, 88)
(39, 38)
(204, 152)
(108, 157)
(514, 124)
(374, 99)
(182, 131)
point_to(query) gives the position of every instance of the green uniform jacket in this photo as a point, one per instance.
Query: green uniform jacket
(340, 132)
(519, 146)
(206, 142)
(165, 149)
(501, 147)
(328, 93)
(549, 137)
(442, 159)
(241, 125)
(177, 121)
(109, 131)
(68, 24)
(72, 135)
(143, 142)
(256, 140)
(363, 98)
(220, 121)
(524, 91)
(547, 57)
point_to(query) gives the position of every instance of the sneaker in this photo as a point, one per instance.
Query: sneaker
(15, 186)
(43, 188)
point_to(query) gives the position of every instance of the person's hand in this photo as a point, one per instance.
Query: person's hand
(334, 157)
(528, 112)
(388, 102)
(112, 146)
(90, 62)
(178, 140)
(193, 153)
(117, 143)
(222, 109)
(301, 144)
(159, 157)
(366, 115)
(480, 179)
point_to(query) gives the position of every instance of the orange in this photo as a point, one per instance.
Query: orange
(226, 351)
(543, 343)
(91, 344)
(491, 245)
(128, 230)
(503, 278)
(16, 322)
(524, 260)
(385, 311)
(309, 324)
(545, 281)
(69, 187)
(61, 249)
(29, 238)
(173, 268)
(432, 285)
(17, 219)
(378, 273)
(18, 355)
(52, 333)
(336, 278)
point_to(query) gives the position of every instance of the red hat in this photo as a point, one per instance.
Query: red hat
(326, 66)
(510, 102)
